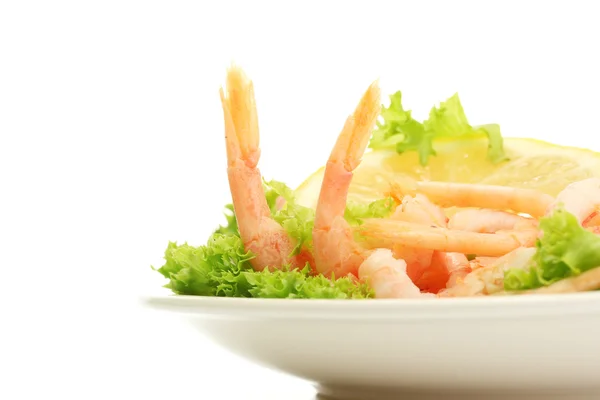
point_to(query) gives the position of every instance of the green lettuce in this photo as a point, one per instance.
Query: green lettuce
(221, 268)
(297, 220)
(231, 227)
(356, 212)
(300, 284)
(400, 131)
(399, 128)
(214, 269)
(565, 249)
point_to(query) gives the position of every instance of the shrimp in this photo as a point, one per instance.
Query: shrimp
(593, 221)
(419, 209)
(447, 194)
(490, 279)
(335, 250)
(458, 267)
(480, 262)
(489, 221)
(430, 270)
(444, 270)
(581, 199)
(260, 233)
(387, 276)
(387, 231)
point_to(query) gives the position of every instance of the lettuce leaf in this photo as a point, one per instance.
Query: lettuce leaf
(210, 270)
(231, 227)
(495, 142)
(400, 131)
(565, 249)
(300, 284)
(221, 268)
(297, 220)
(356, 212)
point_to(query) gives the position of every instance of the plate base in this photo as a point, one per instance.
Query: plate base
(331, 392)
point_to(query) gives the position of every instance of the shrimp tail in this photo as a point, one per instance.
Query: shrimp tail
(334, 248)
(260, 234)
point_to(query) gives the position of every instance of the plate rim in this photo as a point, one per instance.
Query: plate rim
(484, 307)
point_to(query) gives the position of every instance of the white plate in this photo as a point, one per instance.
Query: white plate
(500, 345)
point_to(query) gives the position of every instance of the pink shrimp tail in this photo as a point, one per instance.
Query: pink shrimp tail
(335, 250)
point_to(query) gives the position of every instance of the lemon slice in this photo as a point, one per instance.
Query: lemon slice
(532, 164)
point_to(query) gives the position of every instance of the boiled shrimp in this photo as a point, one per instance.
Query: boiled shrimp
(582, 199)
(335, 250)
(386, 231)
(260, 233)
(448, 194)
(430, 270)
(387, 276)
(481, 262)
(489, 221)
(418, 209)
(484, 220)
(458, 267)
(490, 279)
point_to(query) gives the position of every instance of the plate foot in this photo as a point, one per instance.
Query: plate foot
(334, 392)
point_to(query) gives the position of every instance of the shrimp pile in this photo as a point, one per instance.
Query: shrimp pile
(421, 250)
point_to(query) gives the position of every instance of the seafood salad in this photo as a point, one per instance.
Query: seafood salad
(432, 209)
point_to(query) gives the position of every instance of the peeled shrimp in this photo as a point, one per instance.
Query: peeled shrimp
(484, 220)
(335, 250)
(387, 276)
(480, 262)
(489, 221)
(431, 270)
(490, 279)
(259, 232)
(592, 222)
(443, 239)
(448, 194)
(581, 199)
(458, 267)
(419, 209)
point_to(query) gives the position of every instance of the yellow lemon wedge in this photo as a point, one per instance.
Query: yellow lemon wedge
(531, 163)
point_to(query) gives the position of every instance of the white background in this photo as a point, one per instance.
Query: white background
(111, 144)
